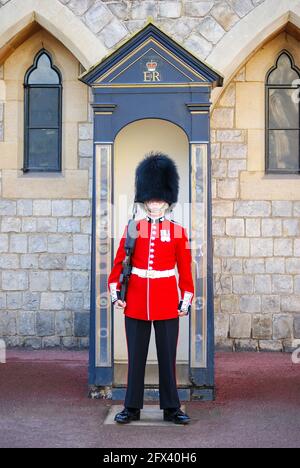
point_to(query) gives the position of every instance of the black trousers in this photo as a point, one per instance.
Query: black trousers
(138, 334)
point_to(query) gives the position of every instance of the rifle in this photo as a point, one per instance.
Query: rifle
(129, 248)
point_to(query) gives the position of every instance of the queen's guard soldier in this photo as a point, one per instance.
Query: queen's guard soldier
(152, 292)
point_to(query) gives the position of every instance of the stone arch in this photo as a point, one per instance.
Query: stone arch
(56, 18)
(250, 33)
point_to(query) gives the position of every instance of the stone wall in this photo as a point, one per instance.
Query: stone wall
(197, 24)
(45, 227)
(256, 240)
(45, 220)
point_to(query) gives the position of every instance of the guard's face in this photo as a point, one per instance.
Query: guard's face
(156, 206)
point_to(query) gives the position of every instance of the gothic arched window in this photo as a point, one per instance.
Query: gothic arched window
(282, 116)
(42, 116)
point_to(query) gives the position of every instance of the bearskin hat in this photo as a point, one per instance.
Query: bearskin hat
(156, 177)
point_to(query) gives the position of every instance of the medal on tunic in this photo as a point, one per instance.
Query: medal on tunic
(165, 235)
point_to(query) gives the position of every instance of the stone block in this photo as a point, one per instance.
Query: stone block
(51, 342)
(297, 326)
(81, 244)
(37, 243)
(270, 345)
(11, 224)
(253, 227)
(60, 280)
(222, 325)
(222, 209)
(3, 243)
(271, 227)
(250, 304)
(81, 208)
(81, 324)
(39, 280)
(243, 284)
(234, 150)
(9, 261)
(69, 225)
(8, 324)
(59, 243)
(224, 247)
(80, 281)
(223, 117)
(241, 7)
(262, 327)
(61, 207)
(242, 247)
(270, 304)
(14, 280)
(291, 227)
(169, 9)
(261, 247)
(240, 326)
(24, 207)
(64, 323)
(227, 188)
(41, 207)
(31, 300)
(74, 301)
(293, 266)
(253, 265)
(52, 301)
(262, 284)
(8, 208)
(97, 17)
(236, 166)
(18, 243)
(197, 9)
(78, 262)
(246, 345)
(282, 208)
(290, 303)
(26, 323)
(46, 225)
(52, 262)
(224, 14)
(211, 29)
(282, 327)
(252, 208)
(282, 284)
(45, 323)
(275, 265)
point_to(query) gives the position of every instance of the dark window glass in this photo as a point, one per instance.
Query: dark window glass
(43, 114)
(282, 117)
(44, 107)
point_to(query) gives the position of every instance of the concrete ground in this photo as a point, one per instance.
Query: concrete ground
(43, 403)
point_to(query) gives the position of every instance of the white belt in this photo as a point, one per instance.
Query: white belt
(153, 273)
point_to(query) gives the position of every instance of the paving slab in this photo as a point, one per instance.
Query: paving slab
(151, 415)
(44, 404)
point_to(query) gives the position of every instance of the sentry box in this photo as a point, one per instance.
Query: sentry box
(151, 94)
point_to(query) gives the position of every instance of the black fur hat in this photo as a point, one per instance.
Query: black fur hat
(157, 177)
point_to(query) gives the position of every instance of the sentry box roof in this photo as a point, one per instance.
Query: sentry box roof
(151, 58)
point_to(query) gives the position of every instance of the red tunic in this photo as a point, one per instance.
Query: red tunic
(155, 298)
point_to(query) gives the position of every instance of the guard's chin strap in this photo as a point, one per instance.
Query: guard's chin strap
(149, 213)
(134, 210)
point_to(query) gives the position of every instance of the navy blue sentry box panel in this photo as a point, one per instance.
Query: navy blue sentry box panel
(152, 76)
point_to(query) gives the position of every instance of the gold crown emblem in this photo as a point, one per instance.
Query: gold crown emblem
(151, 66)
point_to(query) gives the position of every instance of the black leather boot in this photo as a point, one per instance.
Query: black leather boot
(176, 416)
(127, 415)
